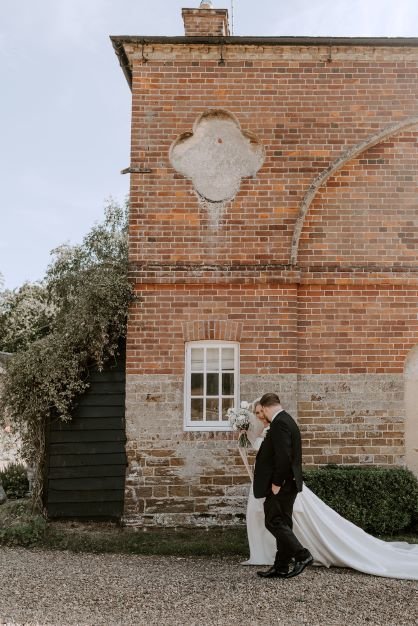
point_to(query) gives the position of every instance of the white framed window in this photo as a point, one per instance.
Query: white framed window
(211, 384)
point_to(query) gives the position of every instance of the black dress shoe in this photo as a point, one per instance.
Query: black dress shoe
(299, 567)
(274, 572)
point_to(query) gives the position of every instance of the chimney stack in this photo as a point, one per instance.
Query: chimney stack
(205, 21)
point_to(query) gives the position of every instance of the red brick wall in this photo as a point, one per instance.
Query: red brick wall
(305, 113)
(203, 22)
(367, 213)
(356, 329)
(340, 322)
(267, 318)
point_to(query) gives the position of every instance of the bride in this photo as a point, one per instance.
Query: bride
(331, 539)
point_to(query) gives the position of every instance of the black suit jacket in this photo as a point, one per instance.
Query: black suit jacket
(279, 458)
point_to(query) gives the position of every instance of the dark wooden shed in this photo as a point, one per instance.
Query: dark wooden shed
(86, 460)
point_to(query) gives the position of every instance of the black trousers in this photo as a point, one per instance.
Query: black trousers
(278, 520)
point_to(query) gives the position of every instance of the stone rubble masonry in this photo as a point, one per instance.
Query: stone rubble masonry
(352, 419)
(329, 327)
(178, 478)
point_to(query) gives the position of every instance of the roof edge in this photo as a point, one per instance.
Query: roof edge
(118, 42)
(272, 41)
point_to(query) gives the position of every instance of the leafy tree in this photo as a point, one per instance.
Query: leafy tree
(25, 315)
(88, 293)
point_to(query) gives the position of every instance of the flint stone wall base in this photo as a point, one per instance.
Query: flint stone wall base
(177, 478)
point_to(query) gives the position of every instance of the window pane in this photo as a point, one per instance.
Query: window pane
(227, 403)
(212, 409)
(212, 359)
(228, 358)
(197, 410)
(212, 371)
(197, 385)
(197, 359)
(228, 384)
(212, 384)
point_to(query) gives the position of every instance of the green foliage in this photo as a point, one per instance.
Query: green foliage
(379, 500)
(89, 287)
(26, 314)
(88, 291)
(215, 542)
(14, 479)
(20, 525)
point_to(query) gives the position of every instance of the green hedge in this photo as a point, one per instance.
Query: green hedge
(379, 500)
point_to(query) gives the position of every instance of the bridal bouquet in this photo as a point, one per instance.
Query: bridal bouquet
(240, 420)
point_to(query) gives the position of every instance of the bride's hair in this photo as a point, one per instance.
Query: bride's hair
(256, 425)
(254, 403)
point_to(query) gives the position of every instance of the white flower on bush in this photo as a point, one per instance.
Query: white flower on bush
(245, 404)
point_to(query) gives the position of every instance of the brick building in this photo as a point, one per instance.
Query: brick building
(273, 246)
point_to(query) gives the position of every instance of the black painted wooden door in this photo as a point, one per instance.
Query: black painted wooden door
(86, 460)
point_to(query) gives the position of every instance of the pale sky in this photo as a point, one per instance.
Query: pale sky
(65, 104)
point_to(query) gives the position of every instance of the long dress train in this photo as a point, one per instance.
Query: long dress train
(331, 539)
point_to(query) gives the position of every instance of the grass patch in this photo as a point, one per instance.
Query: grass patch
(213, 542)
(21, 526)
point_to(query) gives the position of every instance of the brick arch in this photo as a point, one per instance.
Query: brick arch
(206, 330)
(334, 167)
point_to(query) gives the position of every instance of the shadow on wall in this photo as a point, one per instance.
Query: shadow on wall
(411, 410)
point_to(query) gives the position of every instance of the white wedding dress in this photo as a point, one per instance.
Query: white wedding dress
(331, 539)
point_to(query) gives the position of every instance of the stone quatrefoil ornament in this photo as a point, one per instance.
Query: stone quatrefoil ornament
(215, 157)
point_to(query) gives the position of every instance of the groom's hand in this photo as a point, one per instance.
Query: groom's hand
(275, 489)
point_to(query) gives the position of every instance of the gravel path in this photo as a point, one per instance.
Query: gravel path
(61, 588)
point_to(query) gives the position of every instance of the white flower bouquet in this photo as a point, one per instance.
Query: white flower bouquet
(240, 420)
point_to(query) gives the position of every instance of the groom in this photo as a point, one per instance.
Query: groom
(278, 478)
